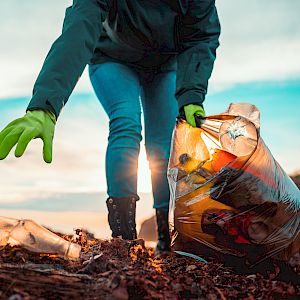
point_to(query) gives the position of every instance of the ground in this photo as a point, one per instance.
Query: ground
(120, 269)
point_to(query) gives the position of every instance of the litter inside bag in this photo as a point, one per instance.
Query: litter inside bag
(229, 196)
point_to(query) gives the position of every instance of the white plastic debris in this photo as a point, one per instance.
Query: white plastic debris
(36, 238)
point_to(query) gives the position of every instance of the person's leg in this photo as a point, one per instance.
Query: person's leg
(118, 88)
(160, 112)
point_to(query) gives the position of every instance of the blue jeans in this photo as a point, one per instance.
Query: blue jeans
(123, 92)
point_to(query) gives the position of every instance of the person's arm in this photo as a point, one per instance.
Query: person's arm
(198, 40)
(69, 55)
(62, 68)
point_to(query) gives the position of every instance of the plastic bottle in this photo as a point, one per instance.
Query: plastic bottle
(6, 226)
(36, 238)
(237, 135)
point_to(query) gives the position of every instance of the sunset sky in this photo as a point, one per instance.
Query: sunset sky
(258, 62)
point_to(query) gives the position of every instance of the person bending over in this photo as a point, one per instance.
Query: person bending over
(151, 55)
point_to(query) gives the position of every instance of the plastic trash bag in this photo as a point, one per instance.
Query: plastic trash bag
(229, 196)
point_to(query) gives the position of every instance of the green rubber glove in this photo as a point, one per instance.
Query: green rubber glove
(35, 124)
(191, 110)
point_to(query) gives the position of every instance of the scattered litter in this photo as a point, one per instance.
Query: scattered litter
(36, 238)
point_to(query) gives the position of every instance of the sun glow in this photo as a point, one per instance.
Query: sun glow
(144, 175)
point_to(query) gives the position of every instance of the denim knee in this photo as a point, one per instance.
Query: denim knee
(125, 129)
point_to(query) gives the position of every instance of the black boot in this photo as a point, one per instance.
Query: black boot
(121, 216)
(164, 240)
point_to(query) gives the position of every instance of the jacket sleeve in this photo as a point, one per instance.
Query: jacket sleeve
(69, 55)
(198, 40)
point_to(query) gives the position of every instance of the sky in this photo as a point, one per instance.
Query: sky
(258, 61)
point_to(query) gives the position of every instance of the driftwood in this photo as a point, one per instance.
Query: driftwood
(40, 281)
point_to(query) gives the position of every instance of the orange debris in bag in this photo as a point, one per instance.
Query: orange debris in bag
(220, 159)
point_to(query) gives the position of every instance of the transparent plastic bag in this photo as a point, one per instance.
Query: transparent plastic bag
(229, 196)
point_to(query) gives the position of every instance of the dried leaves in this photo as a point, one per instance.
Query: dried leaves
(122, 270)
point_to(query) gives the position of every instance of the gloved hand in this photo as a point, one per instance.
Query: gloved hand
(192, 110)
(35, 124)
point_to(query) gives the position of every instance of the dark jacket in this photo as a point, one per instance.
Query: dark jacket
(154, 35)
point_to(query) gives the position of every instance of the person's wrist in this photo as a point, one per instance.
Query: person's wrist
(51, 116)
(49, 113)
